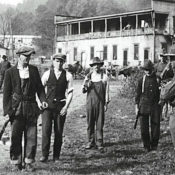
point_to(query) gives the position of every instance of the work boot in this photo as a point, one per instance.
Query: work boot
(56, 159)
(89, 146)
(43, 159)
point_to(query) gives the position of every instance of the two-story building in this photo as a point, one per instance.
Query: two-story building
(13, 42)
(121, 39)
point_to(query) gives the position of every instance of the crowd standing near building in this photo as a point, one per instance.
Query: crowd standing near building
(55, 91)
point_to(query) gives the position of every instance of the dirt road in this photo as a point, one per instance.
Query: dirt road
(123, 152)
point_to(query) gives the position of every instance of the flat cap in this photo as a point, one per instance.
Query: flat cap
(60, 57)
(25, 50)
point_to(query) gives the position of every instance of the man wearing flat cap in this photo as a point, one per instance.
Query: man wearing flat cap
(21, 84)
(146, 100)
(97, 88)
(56, 82)
(4, 65)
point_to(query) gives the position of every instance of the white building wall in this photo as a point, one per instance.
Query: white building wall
(144, 41)
(2, 52)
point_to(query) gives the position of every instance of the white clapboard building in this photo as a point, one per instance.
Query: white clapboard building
(122, 38)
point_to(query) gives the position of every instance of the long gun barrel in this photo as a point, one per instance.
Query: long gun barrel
(137, 117)
(3, 128)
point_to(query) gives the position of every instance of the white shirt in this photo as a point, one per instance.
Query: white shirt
(57, 73)
(23, 72)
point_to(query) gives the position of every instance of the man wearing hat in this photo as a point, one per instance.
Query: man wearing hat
(161, 67)
(4, 65)
(56, 81)
(21, 84)
(146, 100)
(97, 88)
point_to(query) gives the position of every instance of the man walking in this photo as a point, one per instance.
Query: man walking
(4, 65)
(97, 88)
(56, 82)
(147, 98)
(21, 84)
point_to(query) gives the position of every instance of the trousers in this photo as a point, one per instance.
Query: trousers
(48, 117)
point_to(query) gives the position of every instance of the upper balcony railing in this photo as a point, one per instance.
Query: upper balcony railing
(109, 34)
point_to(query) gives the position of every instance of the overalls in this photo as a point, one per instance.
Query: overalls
(95, 112)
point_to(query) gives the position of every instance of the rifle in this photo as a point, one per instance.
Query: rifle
(137, 117)
(3, 128)
(11, 117)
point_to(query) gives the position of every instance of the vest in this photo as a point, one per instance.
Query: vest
(56, 89)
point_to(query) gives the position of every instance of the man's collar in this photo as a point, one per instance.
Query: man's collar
(22, 68)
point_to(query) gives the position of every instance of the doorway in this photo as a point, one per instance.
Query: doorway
(125, 57)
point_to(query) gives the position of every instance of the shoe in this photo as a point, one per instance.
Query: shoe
(43, 159)
(56, 159)
(16, 168)
(89, 146)
(100, 148)
(29, 167)
(147, 150)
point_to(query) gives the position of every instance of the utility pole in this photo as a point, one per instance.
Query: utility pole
(11, 36)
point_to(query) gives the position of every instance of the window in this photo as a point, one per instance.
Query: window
(136, 52)
(75, 54)
(146, 53)
(92, 52)
(114, 52)
(59, 50)
(105, 52)
(164, 47)
(174, 23)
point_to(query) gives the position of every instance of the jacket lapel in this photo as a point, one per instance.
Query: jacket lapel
(17, 77)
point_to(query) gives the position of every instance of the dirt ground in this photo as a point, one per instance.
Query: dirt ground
(123, 153)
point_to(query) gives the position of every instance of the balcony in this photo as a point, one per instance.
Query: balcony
(109, 34)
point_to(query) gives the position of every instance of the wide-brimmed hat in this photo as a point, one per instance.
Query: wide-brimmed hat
(163, 55)
(95, 61)
(25, 50)
(148, 65)
(60, 57)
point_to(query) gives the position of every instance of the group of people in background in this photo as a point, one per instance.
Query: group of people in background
(54, 94)
(25, 94)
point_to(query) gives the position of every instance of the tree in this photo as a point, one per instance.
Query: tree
(22, 23)
(5, 24)
(44, 26)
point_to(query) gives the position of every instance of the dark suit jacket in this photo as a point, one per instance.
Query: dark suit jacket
(148, 99)
(12, 84)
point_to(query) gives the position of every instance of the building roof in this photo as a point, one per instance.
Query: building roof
(104, 16)
(21, 36)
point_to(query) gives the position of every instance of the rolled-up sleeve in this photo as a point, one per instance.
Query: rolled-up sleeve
(69, 78)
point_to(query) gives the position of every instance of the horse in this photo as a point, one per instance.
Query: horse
(75, 69)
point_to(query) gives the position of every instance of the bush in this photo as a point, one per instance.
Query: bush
(129, 84)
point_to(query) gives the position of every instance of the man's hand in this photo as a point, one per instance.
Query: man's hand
(63, 111)
(44, 105)
(106, 107)
(7, 116)
(136, 109)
